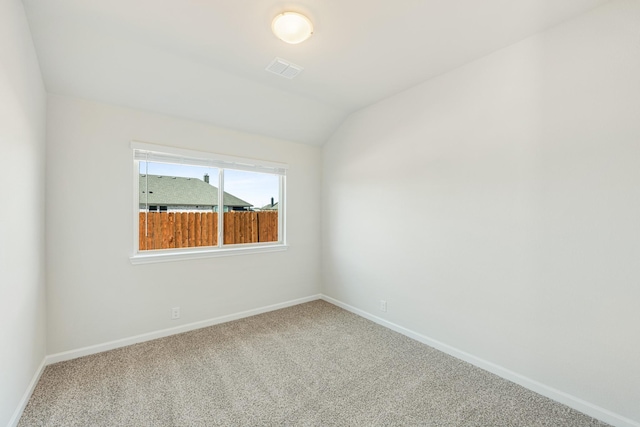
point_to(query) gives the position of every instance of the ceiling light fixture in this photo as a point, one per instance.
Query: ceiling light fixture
(292, 27)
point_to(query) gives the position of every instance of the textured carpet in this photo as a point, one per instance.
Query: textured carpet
(312, 364)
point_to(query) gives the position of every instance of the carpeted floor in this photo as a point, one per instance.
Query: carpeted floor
(313, 364)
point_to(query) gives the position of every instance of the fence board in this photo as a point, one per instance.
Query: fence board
(164, 241)
(150, 227)
(205, 230)
(238, 227)
(214, 227)
(184, 226)
(241, 227)
(178, 229)
(142, 238)
(274, 226)
(229, 228)
(192, 229)
(157, 231)
(269, 230)
(262, 228)
(197, 238)
(254, 227)
(171, 230)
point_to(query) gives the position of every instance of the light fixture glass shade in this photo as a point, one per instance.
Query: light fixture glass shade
(292, 27)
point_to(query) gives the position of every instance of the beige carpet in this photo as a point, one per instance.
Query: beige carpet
(313, 364)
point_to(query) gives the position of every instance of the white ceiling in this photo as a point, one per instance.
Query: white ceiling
(205, 59)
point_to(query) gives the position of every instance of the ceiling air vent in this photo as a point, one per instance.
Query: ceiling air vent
(284, 68)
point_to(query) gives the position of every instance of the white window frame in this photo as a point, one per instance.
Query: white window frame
(160, 153)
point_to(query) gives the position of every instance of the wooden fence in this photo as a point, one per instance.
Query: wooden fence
(162, 230)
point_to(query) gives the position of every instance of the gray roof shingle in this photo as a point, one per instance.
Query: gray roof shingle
(179, 191)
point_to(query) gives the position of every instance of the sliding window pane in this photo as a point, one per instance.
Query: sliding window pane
(178, 206)
(251, 206)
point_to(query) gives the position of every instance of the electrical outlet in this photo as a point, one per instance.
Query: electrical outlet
(383, 305)
(175, 313)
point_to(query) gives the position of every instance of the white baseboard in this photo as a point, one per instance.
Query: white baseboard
(98, 348)
(542, 389)
(13, 422)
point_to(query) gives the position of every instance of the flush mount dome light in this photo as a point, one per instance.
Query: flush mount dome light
(292, 27)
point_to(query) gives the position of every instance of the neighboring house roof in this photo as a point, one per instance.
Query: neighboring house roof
(273, 207)
(178, 191)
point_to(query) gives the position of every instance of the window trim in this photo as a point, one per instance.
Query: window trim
(220, 161)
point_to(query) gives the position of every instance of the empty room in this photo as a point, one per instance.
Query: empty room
(242, 213)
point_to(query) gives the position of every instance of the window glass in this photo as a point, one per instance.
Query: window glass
(257, 222)
(178, 206)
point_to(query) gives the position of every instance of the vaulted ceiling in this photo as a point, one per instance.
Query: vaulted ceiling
(206, 59)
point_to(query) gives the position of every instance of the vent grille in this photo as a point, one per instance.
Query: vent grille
(284, 68)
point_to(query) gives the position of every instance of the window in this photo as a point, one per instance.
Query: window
(191, 204)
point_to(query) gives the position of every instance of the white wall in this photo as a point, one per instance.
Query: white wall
(95, 294)
(497, 208)
(22, 138)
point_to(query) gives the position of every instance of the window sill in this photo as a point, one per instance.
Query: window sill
(149, 257)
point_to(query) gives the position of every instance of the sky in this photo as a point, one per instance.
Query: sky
(255, 188)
